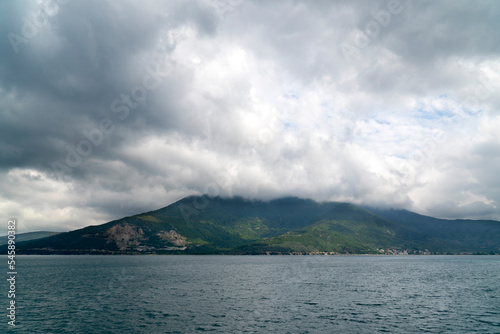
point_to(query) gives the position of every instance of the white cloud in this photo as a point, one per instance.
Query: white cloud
(258, 99)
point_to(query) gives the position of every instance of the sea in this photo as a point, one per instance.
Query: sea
(254, 294)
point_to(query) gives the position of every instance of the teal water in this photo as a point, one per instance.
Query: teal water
(256, 294)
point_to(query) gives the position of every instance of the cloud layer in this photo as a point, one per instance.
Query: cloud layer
(111, 108)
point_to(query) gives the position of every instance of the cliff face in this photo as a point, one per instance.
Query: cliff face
(125, 236)
(173, 238)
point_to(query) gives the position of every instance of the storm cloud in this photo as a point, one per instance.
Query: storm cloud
(112, 108)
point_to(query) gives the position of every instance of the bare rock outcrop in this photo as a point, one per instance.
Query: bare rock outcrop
(173, 237)
(125, 235)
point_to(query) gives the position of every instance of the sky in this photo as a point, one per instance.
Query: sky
(114, 108)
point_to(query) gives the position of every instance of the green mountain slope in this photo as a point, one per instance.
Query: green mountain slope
(203, 225)
(345, 229)
(194, 224)
(443, 235)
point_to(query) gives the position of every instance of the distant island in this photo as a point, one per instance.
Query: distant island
(215, 225)
(28, 236)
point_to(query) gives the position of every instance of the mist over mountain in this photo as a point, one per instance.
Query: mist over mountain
(290, 225)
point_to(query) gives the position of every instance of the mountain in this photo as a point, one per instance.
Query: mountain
(443, 235)
(27, 236)
(214, 225)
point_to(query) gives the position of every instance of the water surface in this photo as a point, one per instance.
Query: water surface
(257, 294)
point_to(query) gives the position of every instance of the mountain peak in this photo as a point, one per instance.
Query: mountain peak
(203, 224)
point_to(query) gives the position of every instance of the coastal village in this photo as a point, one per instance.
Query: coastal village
(380, 252)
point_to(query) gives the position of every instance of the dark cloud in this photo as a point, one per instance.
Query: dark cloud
(110, 108)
